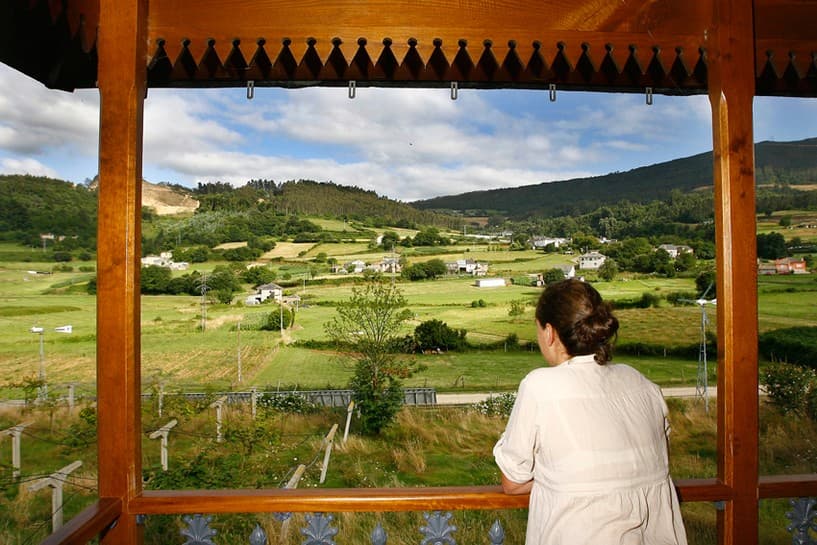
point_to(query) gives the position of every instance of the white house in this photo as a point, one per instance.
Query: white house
(591, 260)
(164, 259)
(539, 243)
(568, 270)
(264, 292)
(490, 283)
(675, 250)
(356, 266)
(389, 265)
(467, 266)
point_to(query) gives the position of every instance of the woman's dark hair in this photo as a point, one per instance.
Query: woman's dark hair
(584, 322)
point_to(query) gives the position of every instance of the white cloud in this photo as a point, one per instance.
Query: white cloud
(26, 166)
(35, 119)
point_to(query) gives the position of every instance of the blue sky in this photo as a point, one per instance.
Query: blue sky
(403, 144)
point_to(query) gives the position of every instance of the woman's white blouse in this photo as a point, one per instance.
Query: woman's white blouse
(594, 440)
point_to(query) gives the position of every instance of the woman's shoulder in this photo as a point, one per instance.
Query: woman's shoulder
(631, 374)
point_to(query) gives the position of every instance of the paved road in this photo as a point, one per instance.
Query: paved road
(463, 399)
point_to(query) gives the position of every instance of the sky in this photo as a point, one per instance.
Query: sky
(405, 144)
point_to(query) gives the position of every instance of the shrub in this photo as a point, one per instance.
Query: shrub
(499, 405)
(433, 334)
(794, 345)
(788, 385)
(289, 403)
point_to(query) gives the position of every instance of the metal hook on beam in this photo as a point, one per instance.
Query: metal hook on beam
(250, 89)
(352, 88)
(454, 90)
(649, 96)
(552, 92)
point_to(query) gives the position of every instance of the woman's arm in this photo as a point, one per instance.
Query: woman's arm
(513, 488)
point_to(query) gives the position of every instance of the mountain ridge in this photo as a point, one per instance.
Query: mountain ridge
(793, 162)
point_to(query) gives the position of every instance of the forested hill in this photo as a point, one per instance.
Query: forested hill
(328, 199)
(34, 205)
(788, 163)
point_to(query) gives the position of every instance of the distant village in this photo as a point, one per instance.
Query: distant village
(589, 261)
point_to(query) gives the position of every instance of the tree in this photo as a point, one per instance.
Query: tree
(433, 334)
(154, 280)
(705, 284)
(368, 324)
(390, 240)
(608, 270)
(771, 246)
(272, 321)
(553, 275)
(517, 307)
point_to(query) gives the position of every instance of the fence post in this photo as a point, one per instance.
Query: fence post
(330, 438)
(217, 405)
(163, 432)
(254, 400)
(56, 480)
(15, 432)
(349, 411)
(70, 398)
(293, 483)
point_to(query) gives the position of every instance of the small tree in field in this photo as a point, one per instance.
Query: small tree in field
(368, 323)
(608, 270)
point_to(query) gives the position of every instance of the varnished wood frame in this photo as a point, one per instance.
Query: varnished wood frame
(122, 82)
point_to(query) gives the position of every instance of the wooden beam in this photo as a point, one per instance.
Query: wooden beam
(731, 91)
(122, 84)
(91, 522)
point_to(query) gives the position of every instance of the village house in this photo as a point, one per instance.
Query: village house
(674, 250)
(540, 243)
(568, 270)
(389, 265)
(164, 259)
(356, 266)
(467, 266)
(591, 260)
(788, 265)
(264, 292)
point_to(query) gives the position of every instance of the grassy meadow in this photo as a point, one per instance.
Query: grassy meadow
(175, 348)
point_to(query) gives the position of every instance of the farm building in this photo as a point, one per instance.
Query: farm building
(490, 283)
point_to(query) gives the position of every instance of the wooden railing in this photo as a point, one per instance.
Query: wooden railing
(94, 520)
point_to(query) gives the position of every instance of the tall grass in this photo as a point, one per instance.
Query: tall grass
(440, 447)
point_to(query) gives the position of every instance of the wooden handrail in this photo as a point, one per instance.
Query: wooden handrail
(88, 524)
(788, 486)
(98, 517)
(329, 500)
(152, 502)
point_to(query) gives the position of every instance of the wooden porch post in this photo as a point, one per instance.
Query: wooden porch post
(122, 82)
(731, 92)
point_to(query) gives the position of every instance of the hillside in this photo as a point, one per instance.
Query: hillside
(776, 162)
(166, 200)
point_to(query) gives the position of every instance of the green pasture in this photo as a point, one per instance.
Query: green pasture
(767, 225)
(175, 349)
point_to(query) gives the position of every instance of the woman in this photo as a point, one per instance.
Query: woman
(588, 438)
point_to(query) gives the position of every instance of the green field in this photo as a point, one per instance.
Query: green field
(175, 348)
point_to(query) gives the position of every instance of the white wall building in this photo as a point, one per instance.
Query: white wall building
(591, 260)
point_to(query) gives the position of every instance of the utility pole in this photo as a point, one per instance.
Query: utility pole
(238, 339)
(204, 301)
